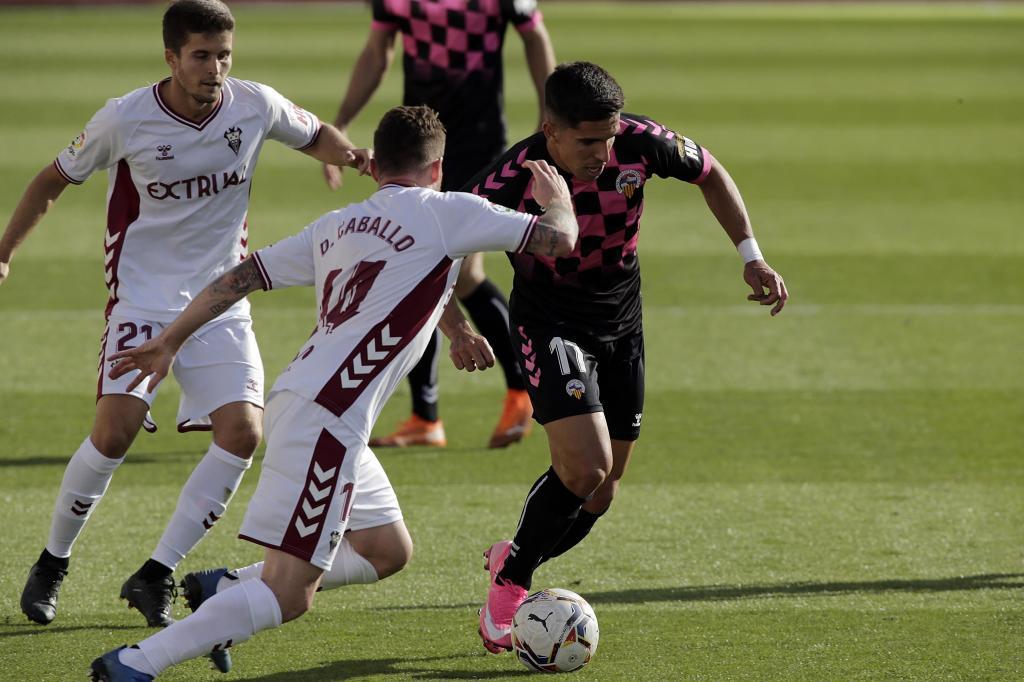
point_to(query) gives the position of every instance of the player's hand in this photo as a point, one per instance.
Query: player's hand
(332, 174)
(359, 159)
(761, 277)
(548, 185)
(152, 359)
(470, 351)
(5, 269)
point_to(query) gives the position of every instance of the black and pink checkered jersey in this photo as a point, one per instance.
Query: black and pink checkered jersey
(596, 288)
(452, 62)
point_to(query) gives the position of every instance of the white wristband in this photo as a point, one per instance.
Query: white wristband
(748, 250)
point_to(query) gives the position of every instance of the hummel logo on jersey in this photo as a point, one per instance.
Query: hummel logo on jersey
(165, 152)
(234, 137)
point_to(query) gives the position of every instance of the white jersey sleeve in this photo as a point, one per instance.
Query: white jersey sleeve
(99, 146)
(289, 262)
(290, 123)
(469, 224)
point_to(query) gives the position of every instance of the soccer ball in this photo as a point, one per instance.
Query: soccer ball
(554, 631)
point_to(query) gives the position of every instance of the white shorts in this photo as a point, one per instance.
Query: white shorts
(217, 365)
(318, 479)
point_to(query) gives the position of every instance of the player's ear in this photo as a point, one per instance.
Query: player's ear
(435, 171)
(374, 170)
(171, 58)
(548, 128)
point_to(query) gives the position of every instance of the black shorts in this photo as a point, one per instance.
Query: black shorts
(569, 374)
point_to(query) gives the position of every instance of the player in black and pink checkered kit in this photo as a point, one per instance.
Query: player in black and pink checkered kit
(576, 320)
(452, 63)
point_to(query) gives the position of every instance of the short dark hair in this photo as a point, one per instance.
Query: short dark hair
(582, 91)
(407, 139)
(194, 16)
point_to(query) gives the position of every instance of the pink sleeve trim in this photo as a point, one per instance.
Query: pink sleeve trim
(63, 174)
(530, 23)
(267, 284)
(709, 163)
(386, 26)
(528, 234)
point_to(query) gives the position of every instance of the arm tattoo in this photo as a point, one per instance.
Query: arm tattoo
(232, 286)
(556, 222)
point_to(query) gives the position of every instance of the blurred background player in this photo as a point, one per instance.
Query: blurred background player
(577, 318)
(384, 270)
(180, 155)
(452, 62)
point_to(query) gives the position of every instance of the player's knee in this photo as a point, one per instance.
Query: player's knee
(396, 557)
(294, 604)
(240, 437)
(112, 440)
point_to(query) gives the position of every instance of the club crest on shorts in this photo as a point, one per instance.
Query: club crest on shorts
(335, 539)
(234, 137)
(575, 388)
(628, 182)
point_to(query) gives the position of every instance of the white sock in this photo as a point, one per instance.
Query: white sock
(349, 568)
(249, 572)
(86, 478)
(202, 501)
(225, 619)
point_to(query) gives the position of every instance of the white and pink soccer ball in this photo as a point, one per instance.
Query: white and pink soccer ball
(554, 631)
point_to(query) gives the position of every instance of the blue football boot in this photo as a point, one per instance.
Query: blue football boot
(108, 668)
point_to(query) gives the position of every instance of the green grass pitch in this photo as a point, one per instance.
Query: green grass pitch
(833, 494)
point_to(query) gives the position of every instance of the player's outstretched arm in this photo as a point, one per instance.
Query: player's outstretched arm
(469, 350)
(540, 59)
(39, 196)
(724, 200)
(556, 231)
(367, 74)
(154, 357)
(334, 149)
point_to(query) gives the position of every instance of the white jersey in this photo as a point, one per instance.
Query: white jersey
(178, 190)
(383, 270)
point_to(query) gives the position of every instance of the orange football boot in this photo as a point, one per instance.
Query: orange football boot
(413, 431)
(515, 421)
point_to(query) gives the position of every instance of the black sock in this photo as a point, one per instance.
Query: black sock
(423, 380)
(49, 561)
(488, 309)
(153, 571)
(548, 513)
(577, 531)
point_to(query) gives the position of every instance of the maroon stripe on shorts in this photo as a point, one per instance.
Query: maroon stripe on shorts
(308, 519)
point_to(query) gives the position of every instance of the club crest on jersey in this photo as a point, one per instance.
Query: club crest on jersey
(575, 388)
(164, 152)
(76, 145)
(234, 137)
(628, 182)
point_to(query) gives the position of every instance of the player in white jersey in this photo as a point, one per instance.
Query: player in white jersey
(384, 270)
(180, 156)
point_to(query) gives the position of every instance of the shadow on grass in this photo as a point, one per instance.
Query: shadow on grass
(415, 668)
(30, 629)
(698, 593)
(987, 581)
(134, 458)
